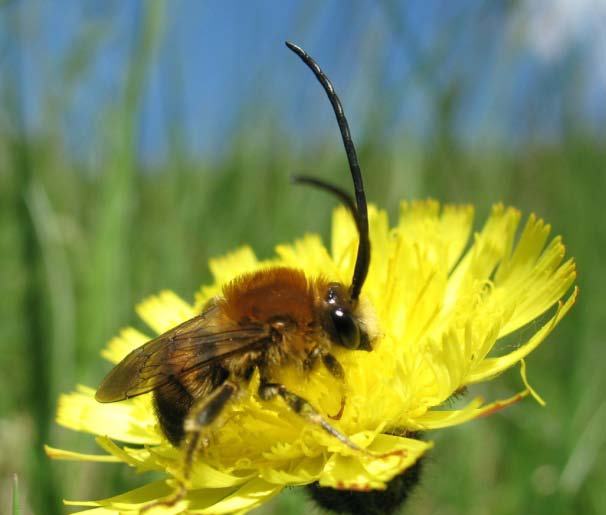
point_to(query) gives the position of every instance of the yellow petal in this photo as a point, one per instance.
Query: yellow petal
(496, 406)
(533, 278)
(205, 476)
(222, 501)
(455, 227)
(438, 419)
(446, 230)
(299, 472)
(164, 311)
(230, 266)
(60, 454)
(130, 421)
(309, 254)
(344, 245)
(141, 458)
(120, 346)
(489, 246)
(130, 502)
(493, 366)
(363, 473)
(532, 391)
(344, 242)
(225, 269)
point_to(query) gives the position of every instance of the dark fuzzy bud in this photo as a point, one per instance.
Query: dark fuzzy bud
(374, 502)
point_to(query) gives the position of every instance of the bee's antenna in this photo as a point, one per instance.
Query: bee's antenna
(359, 210)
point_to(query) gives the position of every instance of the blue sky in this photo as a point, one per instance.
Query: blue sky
(400, 59)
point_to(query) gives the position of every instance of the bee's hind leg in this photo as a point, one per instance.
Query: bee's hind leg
(201, 415)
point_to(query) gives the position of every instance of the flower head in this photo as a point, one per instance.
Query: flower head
(440, 303)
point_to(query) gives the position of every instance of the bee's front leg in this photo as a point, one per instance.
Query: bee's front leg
(336, 370)
(299, 405)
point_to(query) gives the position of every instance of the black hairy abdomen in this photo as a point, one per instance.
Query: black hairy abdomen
(172, 403)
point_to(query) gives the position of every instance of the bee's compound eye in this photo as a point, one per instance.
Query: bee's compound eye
(346, 328)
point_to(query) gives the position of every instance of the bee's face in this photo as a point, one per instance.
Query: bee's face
(341, 319)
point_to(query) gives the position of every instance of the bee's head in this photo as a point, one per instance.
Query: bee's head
(342, 319)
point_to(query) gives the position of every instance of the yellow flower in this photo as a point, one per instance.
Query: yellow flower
(441, 304)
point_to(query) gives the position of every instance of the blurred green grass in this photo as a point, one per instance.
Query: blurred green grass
(81, 245)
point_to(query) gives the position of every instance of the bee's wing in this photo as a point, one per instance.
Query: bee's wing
(191, 345)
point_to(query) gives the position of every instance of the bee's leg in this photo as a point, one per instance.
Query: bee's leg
(333, 366)
(330, 362)
(201, 415)
(336, 370)
(302, 407)
(311, 358)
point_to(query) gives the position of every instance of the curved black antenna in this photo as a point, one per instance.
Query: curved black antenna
(360, 213)
(330, 188)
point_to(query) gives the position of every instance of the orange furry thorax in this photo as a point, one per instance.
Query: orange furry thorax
(264, 295)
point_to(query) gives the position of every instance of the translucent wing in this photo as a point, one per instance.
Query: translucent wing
(195, 343)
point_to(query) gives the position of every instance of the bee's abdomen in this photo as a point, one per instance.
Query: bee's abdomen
(174, 400)
(172, 403)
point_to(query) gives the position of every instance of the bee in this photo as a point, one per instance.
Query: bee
(263, 321)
